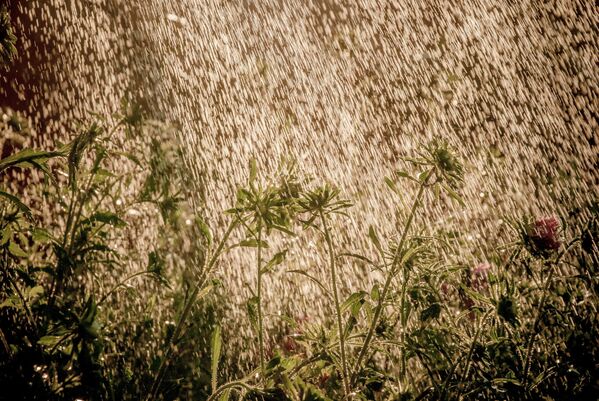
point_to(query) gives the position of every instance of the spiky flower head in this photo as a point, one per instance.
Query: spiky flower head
(444, 158)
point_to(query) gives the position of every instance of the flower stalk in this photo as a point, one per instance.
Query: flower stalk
(381, 301)
(332, 271)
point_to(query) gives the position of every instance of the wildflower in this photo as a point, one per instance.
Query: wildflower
(289, 345)
(479, 277)
(542, 237)
(323, 379)
(445, 289)
(448, 165)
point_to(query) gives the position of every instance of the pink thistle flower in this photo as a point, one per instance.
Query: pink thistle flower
(543, 235)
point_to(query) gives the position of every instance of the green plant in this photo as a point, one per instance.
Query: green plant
(8, 39)
(59, 260)
(441, 170)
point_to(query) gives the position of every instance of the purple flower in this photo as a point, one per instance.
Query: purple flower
(543, 235)
(479, 276)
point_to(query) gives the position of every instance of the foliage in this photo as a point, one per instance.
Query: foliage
(78, 297)
(519, 325)
(7, 37)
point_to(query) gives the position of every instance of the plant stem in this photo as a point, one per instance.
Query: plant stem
(535, 325)
(259, 295)
(186, 311)
(468, 357)
(233, 384)
(379, 307)
(120, 284)
(344, 374)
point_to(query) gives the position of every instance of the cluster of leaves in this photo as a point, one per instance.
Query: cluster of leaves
(517, 327)
(8, 39)
(61, 333)
(508, 328)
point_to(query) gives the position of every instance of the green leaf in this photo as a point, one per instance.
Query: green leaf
(34, 292)
(375, 239)
(204, 229)
(25, 158)
(349, 326)
(6, 235)
(42, 235)
(17, 202)
(432, 312)
(276, 260)
(106, 218)
(215, 346)
(391, 185)
(131, 157)
(356, 256)
(375, 292)
(225, 395)
(423, 176)
(404, 174)
(15, 250)
(204, 291)
(102, 174)
(352, 300)
(283, 229)
(314, 279)
(12, 302)
(453, 194)
(49, 341)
